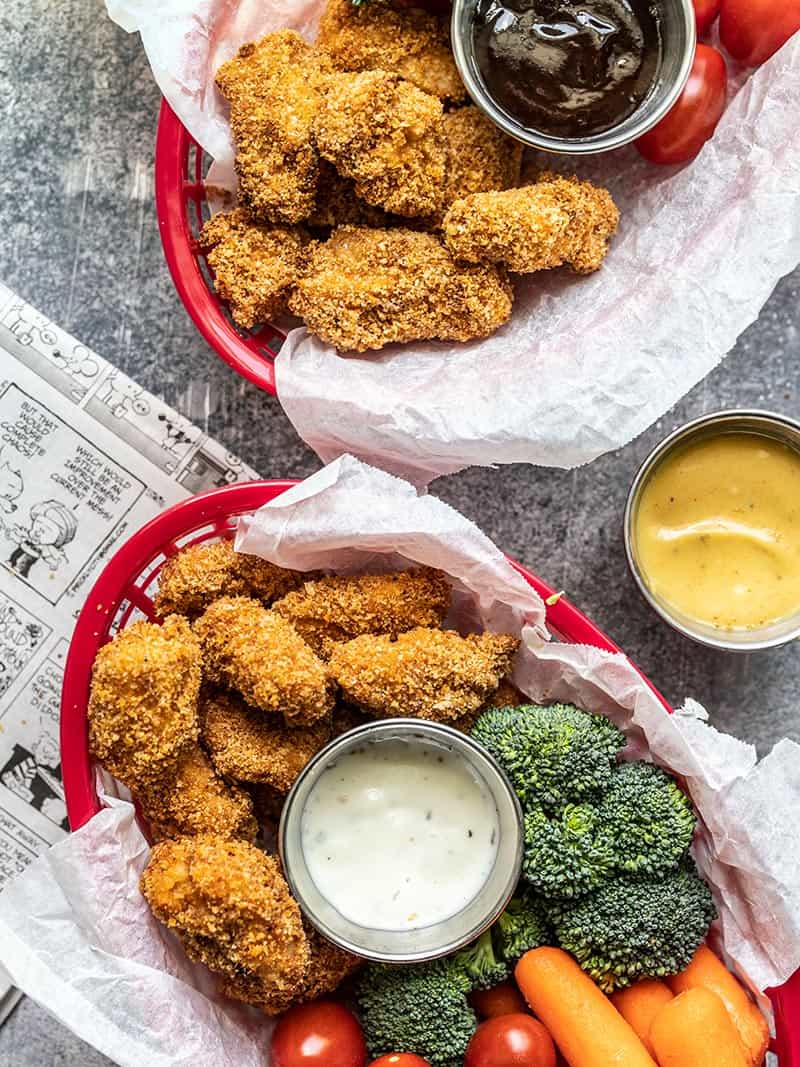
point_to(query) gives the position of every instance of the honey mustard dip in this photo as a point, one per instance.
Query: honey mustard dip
(717, 531)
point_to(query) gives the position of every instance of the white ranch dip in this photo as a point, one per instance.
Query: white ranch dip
(399, 835)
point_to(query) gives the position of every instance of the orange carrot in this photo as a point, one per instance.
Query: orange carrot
(582, 1021)
(695, 1030)
(640, 1004)
(708, 972)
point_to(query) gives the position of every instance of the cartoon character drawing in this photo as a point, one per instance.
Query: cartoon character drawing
(35, 777)
(11, 489)
(52, 526)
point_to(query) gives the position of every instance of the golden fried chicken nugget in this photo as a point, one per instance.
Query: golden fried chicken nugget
(200, 574)
(386, 135)
(506, 696)
(195, 800)
(368, 288)
(254, 266)
(251, 746)
(229, 905)
(143, 701)
(425, 674)
(273, 87)
(556, 221)
(480, 157)
(338, 205)
(341, 607)
(412, 43)
(261, 655)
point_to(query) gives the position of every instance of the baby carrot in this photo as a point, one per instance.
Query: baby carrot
(582, 1021)
(639, 1005)
(709, 972)
(695, 1030)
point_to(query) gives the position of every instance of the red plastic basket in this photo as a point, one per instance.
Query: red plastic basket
(123, 593)
(180, 195)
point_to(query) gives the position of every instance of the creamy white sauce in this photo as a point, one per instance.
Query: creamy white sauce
(398, 835)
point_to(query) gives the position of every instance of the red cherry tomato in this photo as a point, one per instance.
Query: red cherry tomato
(753, 30)
(400, 1059)
(705, 11)
(685, 129)
(503, 999)
(320, 1034)
(511, 1041)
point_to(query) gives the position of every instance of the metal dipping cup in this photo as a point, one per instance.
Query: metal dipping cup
(427, 942)
(764, 423)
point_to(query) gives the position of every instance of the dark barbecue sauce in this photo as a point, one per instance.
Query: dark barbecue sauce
(567, 69)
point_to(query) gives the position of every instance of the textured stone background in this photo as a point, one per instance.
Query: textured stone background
(79, 239)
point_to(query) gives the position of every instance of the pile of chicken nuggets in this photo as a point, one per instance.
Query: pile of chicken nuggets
(210, 716)
(374, 202)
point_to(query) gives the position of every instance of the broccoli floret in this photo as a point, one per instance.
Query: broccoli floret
(419, 1008)
(631, 929)
(521, 927)
(567, 855)
(649, 818)
(553, 755)
(479, 962)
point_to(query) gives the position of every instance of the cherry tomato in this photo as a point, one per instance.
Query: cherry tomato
(511, 1041)
(753, 30)
(320, 1034)
(400, 1059)
(685, 129)
(503, 999)
(705, 11)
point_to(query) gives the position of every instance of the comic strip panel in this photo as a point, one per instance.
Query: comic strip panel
(60, 495)
(21, 636)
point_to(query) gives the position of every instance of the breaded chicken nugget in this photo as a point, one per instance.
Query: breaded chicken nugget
(368, 288)
(412, 43)
(386, 135)
(273, 88)
(197, 801)
(505, 696)
(341, 607)
(143, 702)
(480, 157)
(229, 905)
(261, 655)
(201, 574)
(338, 205)
(557, 221)
(254, 266)
(251, 746)
(425, 674)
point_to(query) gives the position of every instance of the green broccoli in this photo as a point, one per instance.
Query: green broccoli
(567, 855)
(649, 818)
(479, 962)
(521, 927)
(553, 755)
(419, 1008)
(631, 929)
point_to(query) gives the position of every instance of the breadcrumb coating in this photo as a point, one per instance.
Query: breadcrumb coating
(229, 905)
(425, 674)
(368, 288)
(341, 607)
(386, 135)
(556, 221)
(480, 157)
(197, 576)
(254, 266)
(338, 205)
(143, 703)
(261, 655)
(411, 42)
(506, 696)
(197, 801)
(273, 87)
(249, 746)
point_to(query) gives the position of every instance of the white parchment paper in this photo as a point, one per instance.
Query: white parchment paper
(77, 936)
(585, 364)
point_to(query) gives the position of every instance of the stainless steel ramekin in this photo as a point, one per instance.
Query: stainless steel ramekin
(767, 424)
(679, 37)
(439, 939)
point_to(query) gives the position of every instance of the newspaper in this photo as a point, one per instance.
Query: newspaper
(86, 457)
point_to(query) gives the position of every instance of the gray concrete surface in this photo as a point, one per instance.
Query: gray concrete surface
(78, 238)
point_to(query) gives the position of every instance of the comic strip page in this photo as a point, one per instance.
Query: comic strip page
(86, 458)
